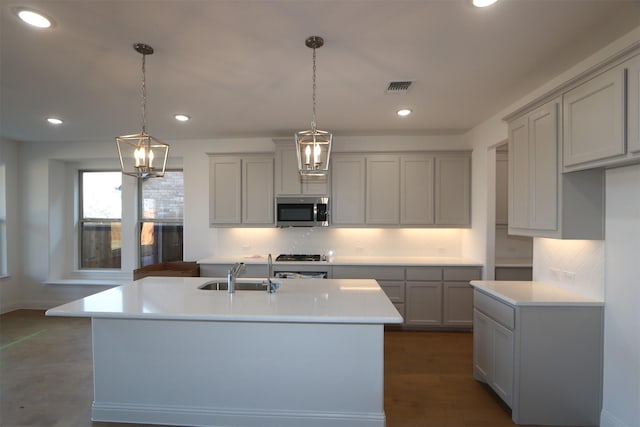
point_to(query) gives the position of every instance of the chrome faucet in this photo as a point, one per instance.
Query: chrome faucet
(271, 285)
(232, 275)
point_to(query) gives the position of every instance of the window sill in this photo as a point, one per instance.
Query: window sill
(5, 276)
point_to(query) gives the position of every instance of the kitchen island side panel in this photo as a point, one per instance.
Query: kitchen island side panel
(238, 373)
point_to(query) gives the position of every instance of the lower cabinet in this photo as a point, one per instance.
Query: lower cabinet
(425, 296)
(493, 355)
(543, 361)
(424, 304)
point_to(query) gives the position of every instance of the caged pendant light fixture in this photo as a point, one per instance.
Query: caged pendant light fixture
(313, 146)
(142, 155)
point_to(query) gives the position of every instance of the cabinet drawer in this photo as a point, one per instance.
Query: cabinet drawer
(394, 290)
(373, 272)
(461, 274)
(424, 273)
(497, 310)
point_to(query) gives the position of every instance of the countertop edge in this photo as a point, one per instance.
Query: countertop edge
(577, 301)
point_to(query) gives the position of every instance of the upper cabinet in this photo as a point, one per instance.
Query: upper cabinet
(416, 189)
(404, 189)
(601, 119)
(383, 190)
(347, 190)
(287, 178)
(542, 201)
(452, 190)
(241, 190)
(594, 119)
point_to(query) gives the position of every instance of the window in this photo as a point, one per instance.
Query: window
(100, 219)
(161, 218)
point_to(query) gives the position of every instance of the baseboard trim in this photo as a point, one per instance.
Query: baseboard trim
(196, 416)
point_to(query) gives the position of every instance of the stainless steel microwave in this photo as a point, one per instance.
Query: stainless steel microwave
(302, 211)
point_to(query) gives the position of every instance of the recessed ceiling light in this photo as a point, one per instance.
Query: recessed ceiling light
(54, 120)
(182, 117)
(34, 18)
(483, 3)
(403, 112)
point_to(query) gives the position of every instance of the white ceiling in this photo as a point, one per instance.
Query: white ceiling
(240, 67)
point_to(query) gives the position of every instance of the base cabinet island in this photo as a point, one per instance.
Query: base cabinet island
(167, 352)
(540, 348)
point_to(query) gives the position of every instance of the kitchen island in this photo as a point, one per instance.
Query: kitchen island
(167, 352)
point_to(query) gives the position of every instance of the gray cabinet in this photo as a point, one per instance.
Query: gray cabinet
(416, 189)
(452, 190)
(593, 119)
(347, 190)
(288, 180)
(543, 202)
(602, 119)
(241, 190)
(391, 190)
(382, 190)
(441, 297)
(493, 346)
(544, 361)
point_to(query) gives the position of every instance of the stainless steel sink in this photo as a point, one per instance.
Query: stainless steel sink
(244, 285)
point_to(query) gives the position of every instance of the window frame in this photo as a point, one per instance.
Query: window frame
(141, 219)
(81, 221)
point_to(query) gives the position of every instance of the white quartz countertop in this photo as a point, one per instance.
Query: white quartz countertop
(351, 260)
(525, 293)
(297, 300)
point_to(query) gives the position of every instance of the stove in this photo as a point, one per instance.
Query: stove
(300, 257)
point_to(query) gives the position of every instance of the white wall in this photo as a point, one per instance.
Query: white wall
(10, 289)
(621, 403)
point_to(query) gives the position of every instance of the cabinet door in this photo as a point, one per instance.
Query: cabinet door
(383, 190)
(458, 304)
(393, 289)
(482, 348)
(257, 191)
(416, 190)
(453, 190)
(287, 178)
(593, 118)
(347, 190)
(502, 369)
(519, 193)
(543, 151)
(225, 188)
(633, 102)
(423, 303)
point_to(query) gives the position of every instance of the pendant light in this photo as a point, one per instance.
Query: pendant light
(313, 146)
(142, 155)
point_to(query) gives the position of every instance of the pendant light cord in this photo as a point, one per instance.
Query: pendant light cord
(313, 117)
(144, 95)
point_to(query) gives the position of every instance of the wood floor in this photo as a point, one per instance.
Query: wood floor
(46, 377)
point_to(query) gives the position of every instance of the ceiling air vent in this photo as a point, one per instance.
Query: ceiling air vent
(399, 87)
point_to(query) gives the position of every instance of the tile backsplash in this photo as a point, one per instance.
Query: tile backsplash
(576, 265)
(342, 241)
